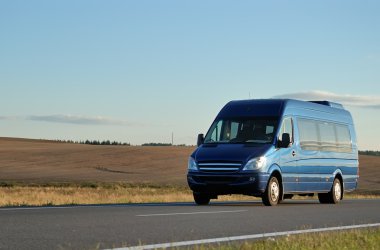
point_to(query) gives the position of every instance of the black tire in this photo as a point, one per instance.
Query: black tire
(334, 196)
(271, 197)
(323, 198)
(201, 199)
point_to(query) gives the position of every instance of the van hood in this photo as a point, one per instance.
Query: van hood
(229, 152)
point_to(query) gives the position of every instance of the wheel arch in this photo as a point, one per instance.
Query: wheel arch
(339, 175)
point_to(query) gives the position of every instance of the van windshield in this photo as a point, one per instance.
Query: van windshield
(242, 130)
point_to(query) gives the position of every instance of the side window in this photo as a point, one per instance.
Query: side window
(327, 136)
(308, 134)
(343, 138)
(287, 127)
(324, 136)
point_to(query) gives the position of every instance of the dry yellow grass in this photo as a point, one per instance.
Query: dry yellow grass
(115, 194)
(109, 194)
(19, 196)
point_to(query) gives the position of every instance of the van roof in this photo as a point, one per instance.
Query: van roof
(277, 107)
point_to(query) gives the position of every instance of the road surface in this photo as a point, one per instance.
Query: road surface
(112, 226)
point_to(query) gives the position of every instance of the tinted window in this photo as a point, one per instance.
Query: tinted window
(215, 135)
(308, 134)
(343, 138)
(324, 136)
(234, 129)
(242, 130)
(327, 140)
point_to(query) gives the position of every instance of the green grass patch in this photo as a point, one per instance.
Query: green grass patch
(351, 239)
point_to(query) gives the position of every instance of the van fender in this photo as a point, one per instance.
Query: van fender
(272, 168)
(275, 169)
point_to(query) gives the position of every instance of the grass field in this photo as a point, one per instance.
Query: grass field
(37, 172)
(353, 239)
(37, 161)
(92, 193)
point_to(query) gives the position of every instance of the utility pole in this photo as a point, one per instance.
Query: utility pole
(172, 139)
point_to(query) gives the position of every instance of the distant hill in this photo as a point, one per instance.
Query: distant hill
(42, 161)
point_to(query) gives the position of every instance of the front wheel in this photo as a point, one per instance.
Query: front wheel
(271, 197)
(201, 199)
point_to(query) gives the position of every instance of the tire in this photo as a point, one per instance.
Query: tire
(271, 196)
(323, 198)
(201, 199)
(334, 196)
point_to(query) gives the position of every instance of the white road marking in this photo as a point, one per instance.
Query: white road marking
(243, 237)
(190, 213)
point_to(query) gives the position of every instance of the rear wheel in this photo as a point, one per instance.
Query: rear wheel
(201, 199)
(334, 196)
(271, 197)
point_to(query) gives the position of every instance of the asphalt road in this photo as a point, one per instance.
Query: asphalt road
(88, 227)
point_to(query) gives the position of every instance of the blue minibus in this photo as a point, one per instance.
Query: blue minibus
(275, 149)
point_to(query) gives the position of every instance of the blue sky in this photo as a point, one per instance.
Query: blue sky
(136, 71)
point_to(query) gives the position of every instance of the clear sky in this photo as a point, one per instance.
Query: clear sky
(136, 71)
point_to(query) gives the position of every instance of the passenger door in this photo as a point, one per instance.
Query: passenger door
(288, 157)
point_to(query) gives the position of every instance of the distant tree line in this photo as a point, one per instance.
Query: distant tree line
(369, 152)
(116, 143)
(107, 142)
(156, 144)
(97, 142)
(164, 144)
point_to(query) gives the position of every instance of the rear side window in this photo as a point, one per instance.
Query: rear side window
(343, 138)
(324, 136)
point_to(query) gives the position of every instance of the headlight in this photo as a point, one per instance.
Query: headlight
(192, 165)
(255, 163)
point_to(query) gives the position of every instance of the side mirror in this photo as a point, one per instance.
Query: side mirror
(200, 140)
(285, 140)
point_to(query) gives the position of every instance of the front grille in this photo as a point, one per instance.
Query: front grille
(219, 167)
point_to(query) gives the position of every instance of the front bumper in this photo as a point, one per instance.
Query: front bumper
(237, 183)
